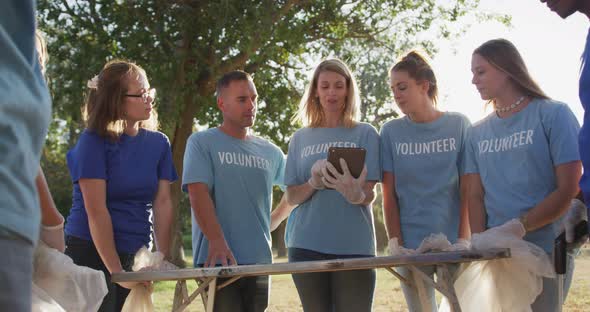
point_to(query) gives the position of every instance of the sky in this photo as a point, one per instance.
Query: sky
(550, 46)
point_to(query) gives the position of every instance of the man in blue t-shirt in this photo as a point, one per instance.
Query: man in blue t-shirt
(229, 175)
(25, 117)
(564, 9)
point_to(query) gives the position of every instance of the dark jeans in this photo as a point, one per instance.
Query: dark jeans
(333, 291)
(85, 254)
(248, 294)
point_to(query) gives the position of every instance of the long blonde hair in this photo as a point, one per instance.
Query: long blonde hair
(103, 111)
(310, 111)
(504, 56)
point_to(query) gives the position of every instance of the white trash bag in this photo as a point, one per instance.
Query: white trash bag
(501, 285)
(60, 285)
(140, 297)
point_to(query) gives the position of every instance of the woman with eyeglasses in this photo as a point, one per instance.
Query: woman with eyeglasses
(121, 168)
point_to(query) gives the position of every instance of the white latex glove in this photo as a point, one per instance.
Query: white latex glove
(512, 227)
(460, 245)
(345, 183)
(396, 250)
(53, 236)
(316, 174)
(576, 213)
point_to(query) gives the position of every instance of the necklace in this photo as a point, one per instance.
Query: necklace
(511, 107)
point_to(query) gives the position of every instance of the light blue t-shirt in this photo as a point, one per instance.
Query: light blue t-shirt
(240, 175)
(427, 160)
(25, 112)
(327, 222)
(516, 158)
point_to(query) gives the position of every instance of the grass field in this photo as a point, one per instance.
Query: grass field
(388, 294)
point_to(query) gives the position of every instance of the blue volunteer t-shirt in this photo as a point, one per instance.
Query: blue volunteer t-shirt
(240, 175)
(327, 222)
(584, 138)
(132, 168)
(516, 158)
(427, 160)
(25, 113)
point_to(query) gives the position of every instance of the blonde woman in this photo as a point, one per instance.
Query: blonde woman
(337, 222)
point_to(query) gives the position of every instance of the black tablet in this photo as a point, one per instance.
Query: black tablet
(354, 157)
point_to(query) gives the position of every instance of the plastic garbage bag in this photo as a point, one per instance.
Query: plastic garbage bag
(60, 285)
(140, 297)
(502, 285)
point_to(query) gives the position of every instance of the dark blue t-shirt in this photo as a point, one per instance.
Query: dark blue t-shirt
(584, 137)
(132, 168)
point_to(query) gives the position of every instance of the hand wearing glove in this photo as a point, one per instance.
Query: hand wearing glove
(512, 227)
(576, 213)
(53, 236)
(345, 183)
(316, 174)
(396, 250)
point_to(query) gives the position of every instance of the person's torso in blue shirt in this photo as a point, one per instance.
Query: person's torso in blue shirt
(240, 175)
(327, 222)
(516, 158)
(25, 109)
(427, 162)
(132, 168)
(584, 138)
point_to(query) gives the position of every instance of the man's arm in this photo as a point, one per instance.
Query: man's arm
(204, 211)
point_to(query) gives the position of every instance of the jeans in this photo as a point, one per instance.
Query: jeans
(548, 300)
(16, 273)
(333, 291)
(84, 253)
(248, 294)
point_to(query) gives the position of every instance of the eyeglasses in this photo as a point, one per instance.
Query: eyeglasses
(149, 93)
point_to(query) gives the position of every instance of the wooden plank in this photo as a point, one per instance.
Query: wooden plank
(211, 295)
(316, 266)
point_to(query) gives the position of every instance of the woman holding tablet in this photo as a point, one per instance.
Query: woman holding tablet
(334, 222)
(423, 182)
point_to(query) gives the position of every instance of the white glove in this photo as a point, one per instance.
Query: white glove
(576, 213)
(461, 245)
(513, 227)
(53, 236)
(316, 174)
(345, 183)
(396, 250)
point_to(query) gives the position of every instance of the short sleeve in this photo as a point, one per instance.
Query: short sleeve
(470, 163)
(461, 159)
(291, 166)
(386, 152)
(562, 133)
(197, 163)
(87, 160)
(373, 159)
(166, 170)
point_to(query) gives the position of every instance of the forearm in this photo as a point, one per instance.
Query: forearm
(101, 230)
(464, 228)
(163, 225)
(50, 216)
(297, 194)
(475, 203)
(280, 213)
(369, 190)
(391, 214)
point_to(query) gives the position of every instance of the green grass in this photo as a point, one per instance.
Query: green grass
(388, 294)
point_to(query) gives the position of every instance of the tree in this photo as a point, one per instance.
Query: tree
(185, 45)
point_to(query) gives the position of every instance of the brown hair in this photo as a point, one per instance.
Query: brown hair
(310, 111)
(103, 111)
(417, 66)
(504, 56)
(42, 50)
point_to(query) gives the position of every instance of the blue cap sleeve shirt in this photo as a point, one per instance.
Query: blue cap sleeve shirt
(25, 109)
(584, 138)
(240, 175)
(327, 222)
(427, 160)
(516, 158)
(132, 168)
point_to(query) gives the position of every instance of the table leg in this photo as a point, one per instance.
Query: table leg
(211, 294)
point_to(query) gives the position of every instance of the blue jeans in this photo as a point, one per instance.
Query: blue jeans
(411, 294)
(333, 291)
(248, 294)
(548, 300)
(16, 273)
